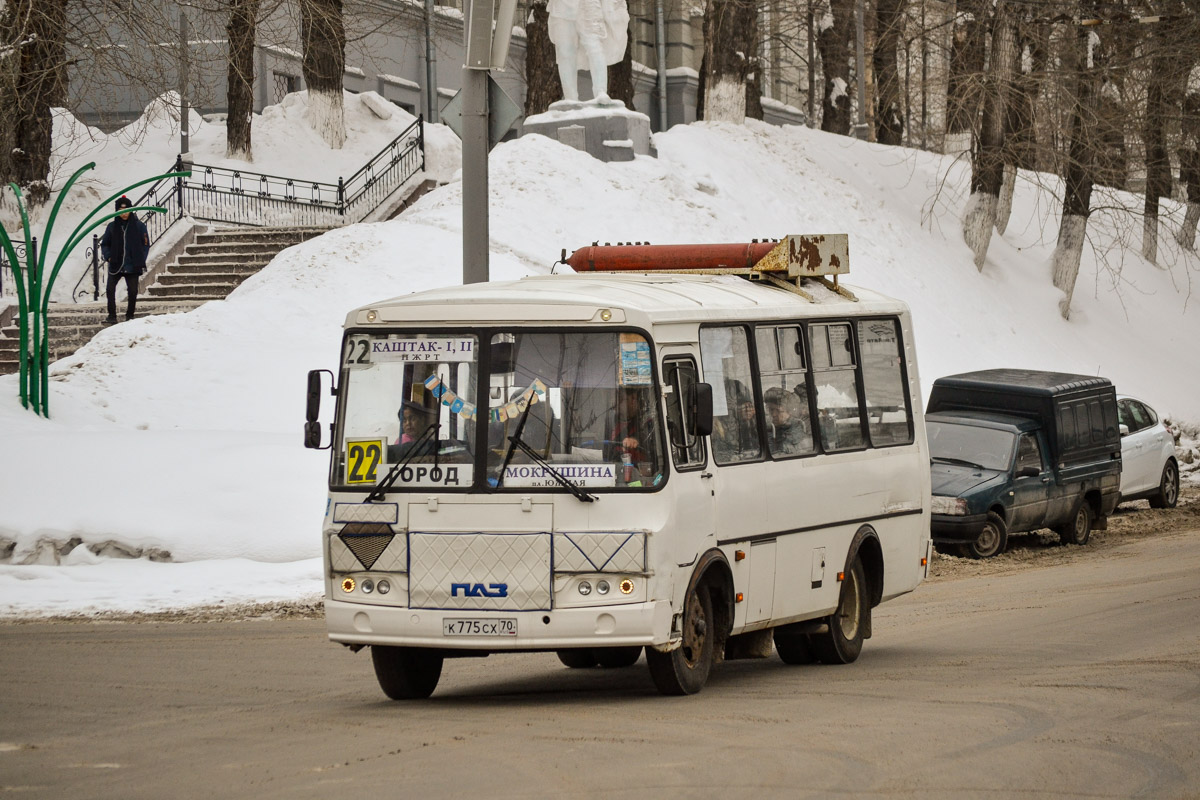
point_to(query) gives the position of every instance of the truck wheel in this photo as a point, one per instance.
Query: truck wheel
(618, 657)
(1168, 487)
(685, 669)
(793, 648)
(406, 673)
(577, 658)
(1079, 529)
(991, 540)
(842, 643)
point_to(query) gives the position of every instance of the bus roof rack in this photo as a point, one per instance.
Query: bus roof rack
(781, 263)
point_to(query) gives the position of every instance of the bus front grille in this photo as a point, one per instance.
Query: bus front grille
(483, 571)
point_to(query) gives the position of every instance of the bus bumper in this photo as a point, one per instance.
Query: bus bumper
(594, 626)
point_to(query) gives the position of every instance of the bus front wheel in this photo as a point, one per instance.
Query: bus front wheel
(843, 640)
(406, 673)
(685, 669)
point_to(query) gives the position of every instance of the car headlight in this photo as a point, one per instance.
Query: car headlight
(954, 506)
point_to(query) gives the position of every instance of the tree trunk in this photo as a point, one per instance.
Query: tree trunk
(987, 168)
(620, 74)
(34, 81)
(833, 40)
(323, 33)
(730, 39)
(542, 86)
(1020, 143)
(1189, 169)
(1077, 196)
(243, 21)
(964, 90)
(1158, 164)
(889, 114)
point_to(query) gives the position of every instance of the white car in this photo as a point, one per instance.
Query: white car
(1149, 469)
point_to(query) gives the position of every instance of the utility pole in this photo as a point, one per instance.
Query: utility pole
(477, 41)
(431, 101)
(183, 82)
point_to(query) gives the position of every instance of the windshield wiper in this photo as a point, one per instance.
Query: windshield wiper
(960, 461)
(573, 488)
(512, 447)
(414, 450)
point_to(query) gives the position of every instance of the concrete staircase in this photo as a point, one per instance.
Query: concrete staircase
(73, 325)
(208, 268)
(217, 261)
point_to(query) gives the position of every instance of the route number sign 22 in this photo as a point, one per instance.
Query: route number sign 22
(363, 458)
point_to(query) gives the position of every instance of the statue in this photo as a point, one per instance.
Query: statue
(587, 34)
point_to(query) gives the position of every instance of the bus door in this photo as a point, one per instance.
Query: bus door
(691, 486)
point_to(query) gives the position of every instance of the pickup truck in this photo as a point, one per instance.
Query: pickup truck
(1019, 450)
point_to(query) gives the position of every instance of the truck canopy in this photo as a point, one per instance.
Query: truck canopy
(1078, 412)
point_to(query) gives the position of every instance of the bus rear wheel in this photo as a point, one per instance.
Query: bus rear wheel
(843, 640)
(406, 673)
(685, 669)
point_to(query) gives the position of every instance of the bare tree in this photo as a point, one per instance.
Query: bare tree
(1158, 166)
(243, 22)
(323, 33)
(987, 173)
(964, 90)
(620, 74)
(1078, 180)
(33, 79)
(1020, 142)
(542, 86)
(889, 114)
(833, 40)
(730, 42)
(1189, 161)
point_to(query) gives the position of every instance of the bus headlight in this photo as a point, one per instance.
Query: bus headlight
(954, 506)
(384, 587)
(602, 587)
(368, 585)
(585, 588)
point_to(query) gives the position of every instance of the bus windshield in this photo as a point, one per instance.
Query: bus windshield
(582, 403)
(574, 406)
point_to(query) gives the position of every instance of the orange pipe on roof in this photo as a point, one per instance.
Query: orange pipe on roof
(642, 257)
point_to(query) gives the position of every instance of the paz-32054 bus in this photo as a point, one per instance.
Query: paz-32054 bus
(701, 452)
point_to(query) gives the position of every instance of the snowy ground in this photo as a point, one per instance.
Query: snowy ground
(179, 437)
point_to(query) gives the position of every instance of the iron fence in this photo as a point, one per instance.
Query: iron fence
(8, 279)
(239, 197)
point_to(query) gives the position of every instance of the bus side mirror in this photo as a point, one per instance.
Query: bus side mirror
(312, 410)
(701, 403)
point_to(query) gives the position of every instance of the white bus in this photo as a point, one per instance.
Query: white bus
(697, 466)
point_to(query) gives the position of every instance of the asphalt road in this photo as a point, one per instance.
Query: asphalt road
(1075, 680)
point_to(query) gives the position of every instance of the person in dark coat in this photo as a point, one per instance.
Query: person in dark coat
(124, 247)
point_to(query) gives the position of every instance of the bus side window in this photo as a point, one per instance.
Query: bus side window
(785, 391)
(725, 353)
(839, 417)
(680, 377)
(888, 418)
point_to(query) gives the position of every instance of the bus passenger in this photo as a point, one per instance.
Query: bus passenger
(635, 438)
(790, 434)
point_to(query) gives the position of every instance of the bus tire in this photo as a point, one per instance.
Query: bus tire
(843, 640)
(617, 657)
(685, 669)
(577, 657)
(793, 648)
(406, 673)
(1078, 529)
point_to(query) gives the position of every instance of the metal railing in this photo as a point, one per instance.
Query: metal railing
(239, 197)
(8, 280)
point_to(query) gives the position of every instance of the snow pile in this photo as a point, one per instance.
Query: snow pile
(181, 435)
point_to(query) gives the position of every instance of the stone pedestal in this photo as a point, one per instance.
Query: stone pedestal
(608, 131)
